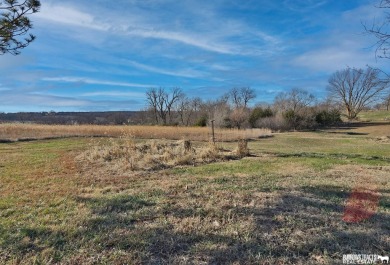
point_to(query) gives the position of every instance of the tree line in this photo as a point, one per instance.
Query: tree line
(295, 109)
(350, 91)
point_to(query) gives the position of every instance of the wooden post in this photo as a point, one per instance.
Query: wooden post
(212, 129)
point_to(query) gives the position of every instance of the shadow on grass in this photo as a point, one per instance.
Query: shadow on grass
(301, 227)
(331, 155)
(22, 243)
(349, 133)
(327, 192)
(355, 125)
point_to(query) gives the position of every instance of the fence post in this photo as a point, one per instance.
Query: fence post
(212, 129)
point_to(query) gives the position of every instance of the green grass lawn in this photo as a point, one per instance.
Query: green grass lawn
(284, 204)
(375, 115)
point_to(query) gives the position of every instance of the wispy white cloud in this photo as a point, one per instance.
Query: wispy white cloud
(303, 5)
(40, 100)
(192, 39)
(181, 73)
(205, 38)
(45, 102)
(343, 44)
(220, 67)
(114, 94)
(365, 13)
(330, 59)
(10, 61)
(69, 15)
(4, 88)
(71, 79)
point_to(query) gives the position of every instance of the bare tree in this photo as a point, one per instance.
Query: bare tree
(188, 109)
(152, 99)
(14, 24)
(170, 100)
(217, 110)
(387, 101)
(294, 107)
(240, 97)
(238, 117)
(162, 103)
(295, 100)
(356, 88)
(381, 32)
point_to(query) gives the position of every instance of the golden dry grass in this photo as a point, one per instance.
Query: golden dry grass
(124, 155)
(15, 132)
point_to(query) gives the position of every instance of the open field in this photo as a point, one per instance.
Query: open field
(284, 204)
(375, 115)
(17, 132)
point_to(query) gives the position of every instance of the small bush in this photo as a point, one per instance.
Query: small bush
(227, 123)
(259, 113)
(275, 123)
(293, 119)
(328, 117)
(201, 122)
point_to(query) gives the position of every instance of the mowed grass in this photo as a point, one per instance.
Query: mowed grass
(284, 204)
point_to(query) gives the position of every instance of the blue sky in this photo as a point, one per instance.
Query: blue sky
(104, 56)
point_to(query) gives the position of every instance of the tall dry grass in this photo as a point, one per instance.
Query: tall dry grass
(122, 155)
(15, 132)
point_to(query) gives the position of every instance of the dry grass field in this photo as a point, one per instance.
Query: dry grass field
(79, 201)
(15, 132)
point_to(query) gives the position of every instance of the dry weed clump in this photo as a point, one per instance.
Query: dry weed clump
(383, 139)
(124, 154)
(242, 148)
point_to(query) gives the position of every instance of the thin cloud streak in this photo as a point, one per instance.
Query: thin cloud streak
(114, 94)
(41, 100)
(181, 73)
(70, 79)
(185, 38)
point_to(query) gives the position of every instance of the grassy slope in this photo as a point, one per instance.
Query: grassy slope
(283, 205)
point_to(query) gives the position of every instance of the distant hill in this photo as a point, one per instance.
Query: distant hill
(109, 117)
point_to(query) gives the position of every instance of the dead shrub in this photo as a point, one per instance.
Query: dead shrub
(187, 146)
(242, 148)
(209, 153)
